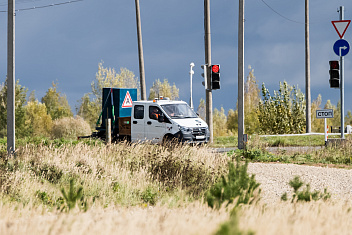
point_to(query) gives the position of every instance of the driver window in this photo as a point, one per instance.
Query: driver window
(154, 112)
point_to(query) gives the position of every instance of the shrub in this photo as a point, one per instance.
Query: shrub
(49, 172)
(304, 195)
(47, 199)
(175, 172)
(237, 185)
(69, 127)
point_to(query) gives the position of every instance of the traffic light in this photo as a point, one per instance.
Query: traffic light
(215, 76)
(204, 75)
(334, 74)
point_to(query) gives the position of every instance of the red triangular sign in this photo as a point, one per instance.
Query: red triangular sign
(341, 26)
(127, 102)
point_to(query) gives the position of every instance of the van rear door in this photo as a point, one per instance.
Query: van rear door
(138, 126)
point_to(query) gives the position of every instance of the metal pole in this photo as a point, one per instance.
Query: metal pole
(307, 48)
(140, 52)
(191, 72)
(342, 85)
(241, 75)
(325, 131)
(208, 91)
(108, 131)
(11, 78)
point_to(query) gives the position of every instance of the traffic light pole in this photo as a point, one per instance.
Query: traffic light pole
(208, 91)
(342, 84)
(11, 78)
(241, 75)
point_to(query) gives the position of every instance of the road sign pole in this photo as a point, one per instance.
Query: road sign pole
(342, 85)
(325, 131)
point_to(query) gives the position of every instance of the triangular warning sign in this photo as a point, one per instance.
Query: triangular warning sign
(341, 26)
(127, 102)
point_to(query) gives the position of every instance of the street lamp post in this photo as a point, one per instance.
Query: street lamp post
(191, 72)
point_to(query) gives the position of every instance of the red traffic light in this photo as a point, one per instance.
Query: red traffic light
(215, 68)
(334, 64)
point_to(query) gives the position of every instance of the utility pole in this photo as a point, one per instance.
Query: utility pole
(308, 95)
(140, 53)
(208, 91)
(11, 78)
(241, 75)
(342, 82)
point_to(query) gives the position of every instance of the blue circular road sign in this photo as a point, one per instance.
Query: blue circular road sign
(341, 47)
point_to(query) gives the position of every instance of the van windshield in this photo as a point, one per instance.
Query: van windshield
(175, 111)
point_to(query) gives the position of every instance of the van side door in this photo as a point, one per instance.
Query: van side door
(154, 129)
(138, 125)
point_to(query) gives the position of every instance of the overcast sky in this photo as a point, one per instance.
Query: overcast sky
(65, 43)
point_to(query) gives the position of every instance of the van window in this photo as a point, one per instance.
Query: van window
(154, 112)
(138, 112)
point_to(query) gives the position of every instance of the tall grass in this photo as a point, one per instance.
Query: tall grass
(121, 174)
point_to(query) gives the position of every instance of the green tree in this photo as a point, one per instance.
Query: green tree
(89, 106)
(336, 121)
(163, 89)
(251, 102)
(348, 118)
(56, 104)
(20, 99)
(201, 109)
(283, 113)
(317, 123)
(219, 122)
(232, 121)
(38, 121)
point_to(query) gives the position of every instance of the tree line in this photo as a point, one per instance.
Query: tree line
(52, 116)
(282, 112)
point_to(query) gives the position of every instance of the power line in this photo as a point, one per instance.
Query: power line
(20, 2)
(45, 6)
(281, 14)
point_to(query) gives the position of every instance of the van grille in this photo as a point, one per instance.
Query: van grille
(198, 131)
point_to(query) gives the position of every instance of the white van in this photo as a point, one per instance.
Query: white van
(162, 119)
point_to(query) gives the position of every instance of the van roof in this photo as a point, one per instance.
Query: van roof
(159, 102)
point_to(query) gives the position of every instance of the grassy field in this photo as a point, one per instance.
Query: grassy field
(63, 187)
(275, 141)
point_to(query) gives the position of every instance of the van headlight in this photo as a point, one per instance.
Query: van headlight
(184, 129)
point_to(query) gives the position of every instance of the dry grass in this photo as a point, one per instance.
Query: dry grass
(119, 182)
(189, 218)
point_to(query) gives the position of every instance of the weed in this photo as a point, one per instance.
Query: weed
(149, 196)
(304, 195)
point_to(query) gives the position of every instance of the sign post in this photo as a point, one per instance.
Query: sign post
(341, 48)
(325, 113)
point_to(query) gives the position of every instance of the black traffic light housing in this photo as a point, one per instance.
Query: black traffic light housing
(215, 77)
(334, 74)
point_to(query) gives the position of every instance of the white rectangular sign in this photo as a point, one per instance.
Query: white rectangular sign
(325, 113)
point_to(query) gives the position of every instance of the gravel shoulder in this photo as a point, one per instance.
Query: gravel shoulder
(274, 179)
